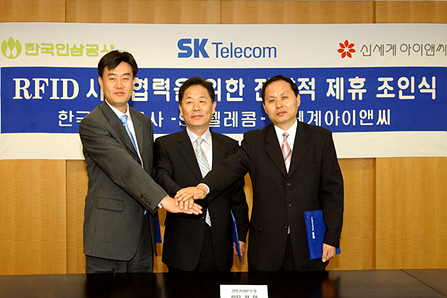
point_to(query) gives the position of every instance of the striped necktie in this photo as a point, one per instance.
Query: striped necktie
(286, 151)
(204, 168)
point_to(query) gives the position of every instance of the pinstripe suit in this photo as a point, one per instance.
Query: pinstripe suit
(119, 189)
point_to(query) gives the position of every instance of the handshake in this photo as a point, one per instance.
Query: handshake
(184, 200)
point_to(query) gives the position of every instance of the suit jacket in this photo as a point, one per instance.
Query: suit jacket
(314, 182)
(119, 189)
(176, 168)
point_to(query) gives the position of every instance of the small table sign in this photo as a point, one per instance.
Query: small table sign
(243, 291)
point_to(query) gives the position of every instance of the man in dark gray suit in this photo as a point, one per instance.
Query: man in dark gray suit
(199, 243)
(293, 168)
(122, 199)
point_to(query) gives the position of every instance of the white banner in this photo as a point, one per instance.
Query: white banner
(381, 88)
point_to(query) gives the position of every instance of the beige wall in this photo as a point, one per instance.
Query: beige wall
(395, 208)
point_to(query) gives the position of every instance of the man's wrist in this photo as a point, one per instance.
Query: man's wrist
(205, 187)
(160, 205)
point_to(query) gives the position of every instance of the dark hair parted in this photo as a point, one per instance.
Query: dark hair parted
(193, 82)
(112, 59)
(278, 78)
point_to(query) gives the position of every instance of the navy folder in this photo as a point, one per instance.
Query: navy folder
(236, 237)
(315, 230)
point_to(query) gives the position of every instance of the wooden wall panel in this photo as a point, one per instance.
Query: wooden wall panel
(411, 12)
(32, 217)
(296, 12)
(32, 11)
(144, 11)
(357, 239)
(411, 212)
(76, 190)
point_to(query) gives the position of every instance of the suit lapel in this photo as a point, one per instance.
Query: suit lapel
(138, 130)
(186, 149)
(117, 125)
(300, 148)
(274, 150)
(218, 149)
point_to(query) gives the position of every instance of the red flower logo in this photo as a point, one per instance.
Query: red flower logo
(346, 49)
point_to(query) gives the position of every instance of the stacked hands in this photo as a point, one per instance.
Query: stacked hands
(185, 197)
(184, 200)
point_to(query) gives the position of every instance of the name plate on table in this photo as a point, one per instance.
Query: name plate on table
(243, 291)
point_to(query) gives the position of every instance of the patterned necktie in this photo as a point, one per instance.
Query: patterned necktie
(286, 151)
(123, 119)
(204, 168)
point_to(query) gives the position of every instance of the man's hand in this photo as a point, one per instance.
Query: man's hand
(196, 193)
(172, 206)
(328, 252)
(187, 204)
(241, 247)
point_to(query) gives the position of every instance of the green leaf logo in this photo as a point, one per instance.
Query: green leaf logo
(11, 49)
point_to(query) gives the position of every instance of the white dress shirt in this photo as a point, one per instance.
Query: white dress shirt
(207, 144)
(292, 134)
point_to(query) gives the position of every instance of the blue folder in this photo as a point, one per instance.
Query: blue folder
(236, 237)
(157, 229)
(315, 230)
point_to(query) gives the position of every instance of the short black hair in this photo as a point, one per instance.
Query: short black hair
(278, 78)
(112, 59)
(196, 81)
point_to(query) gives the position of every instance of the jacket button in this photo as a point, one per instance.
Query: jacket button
(288, 184)
(289, 205)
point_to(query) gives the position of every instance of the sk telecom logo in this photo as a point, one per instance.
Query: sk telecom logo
(12, 48)
(346, 49)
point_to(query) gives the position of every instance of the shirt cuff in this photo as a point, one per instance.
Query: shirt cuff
(207, 188)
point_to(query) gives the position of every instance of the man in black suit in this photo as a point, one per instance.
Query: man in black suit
(199, 243)
(122, 198)
(293, 168)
